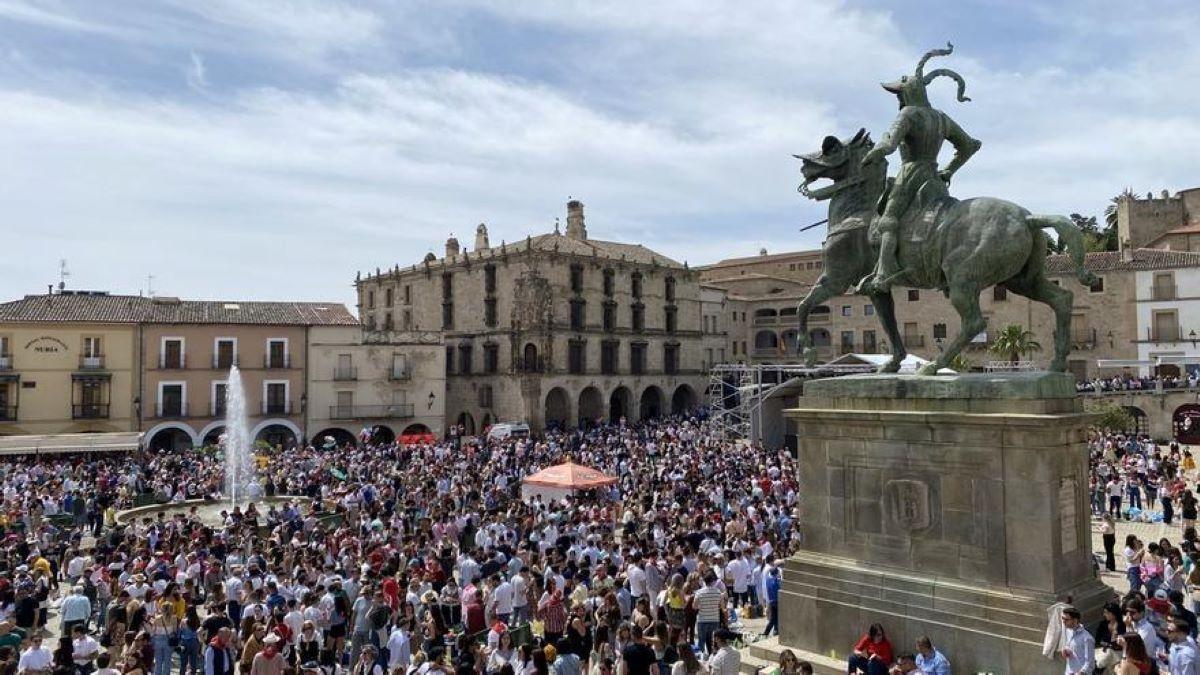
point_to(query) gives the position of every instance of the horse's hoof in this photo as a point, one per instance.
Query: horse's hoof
(810, 357)
(930, 368)
(890, 367)
(1057, 366)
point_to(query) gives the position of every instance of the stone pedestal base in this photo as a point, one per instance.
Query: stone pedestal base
(953, 507)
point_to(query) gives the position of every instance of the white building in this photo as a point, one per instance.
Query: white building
(1168, 314)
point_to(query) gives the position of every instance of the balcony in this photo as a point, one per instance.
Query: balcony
(277, 361)
(5, 361)
(277, 408)
(219, 363)
(1083, 338)
(1163, 292)
(821, 318)
(345, 374)
(87, 411)
(171, 411)
(1167, 334)
(172, 362)
(8, 413)
(914, 341)
(765, 320)
(93, 362)
(400, 374)
(350, 412)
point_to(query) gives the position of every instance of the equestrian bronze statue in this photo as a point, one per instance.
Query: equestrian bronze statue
(909, 231)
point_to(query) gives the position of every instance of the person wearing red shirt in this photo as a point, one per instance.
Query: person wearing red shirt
(872, 653)
(474, 614)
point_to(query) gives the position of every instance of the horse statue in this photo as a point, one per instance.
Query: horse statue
(959, 247)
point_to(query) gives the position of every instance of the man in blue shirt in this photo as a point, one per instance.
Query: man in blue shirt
(930, 660)
(772, 587)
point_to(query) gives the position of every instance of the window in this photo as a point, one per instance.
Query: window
(388, 297)
(939, 331)
(1166, 326)
(576, 278)
(172, 399)
(489, 279)
(635, 284)
(277, 352)
(345, 405)
(92, 355)
(999, 294)
(608, 283)
(447, 315)
(869, 346)
(670, 319)
(1097, 286)
(92, 403)
(449, 360)
(670, 359)
(608, 356)
(464, 359)
(1164, 287)
(610, 316)
(447, 287)
(576, 357)
(914, 295)
(733, 317)
(370, 322)
(491, 359)
(399, 367)
(792, 267)
(344, 370)
(868, 310)
(225, 353)
(408, 324)
(669, 289)
(577, 309)
(489, 312)
(407, 294)
(638, 317)
(371, 299)
(485, 396)
(220, 391)
(275, 399)
(847, 341)
(847, 310)
(171, 355)
(637, 358)
(387, 321)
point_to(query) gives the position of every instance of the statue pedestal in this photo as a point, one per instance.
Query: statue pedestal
(954, 507)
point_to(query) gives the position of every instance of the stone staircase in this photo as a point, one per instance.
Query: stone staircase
(759, 658)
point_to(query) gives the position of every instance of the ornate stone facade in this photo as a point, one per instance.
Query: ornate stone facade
(552, 329)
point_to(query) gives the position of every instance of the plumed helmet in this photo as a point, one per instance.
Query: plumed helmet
(911, 88)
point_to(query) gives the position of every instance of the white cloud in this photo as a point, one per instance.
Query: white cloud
(197, 74)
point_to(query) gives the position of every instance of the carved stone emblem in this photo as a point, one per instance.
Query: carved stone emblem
(907, 500)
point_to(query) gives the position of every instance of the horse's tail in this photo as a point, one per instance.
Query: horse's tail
(1070, 235)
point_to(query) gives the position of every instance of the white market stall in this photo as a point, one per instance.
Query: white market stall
(563, 480)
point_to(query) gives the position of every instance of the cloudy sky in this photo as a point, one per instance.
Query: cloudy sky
(269, 149)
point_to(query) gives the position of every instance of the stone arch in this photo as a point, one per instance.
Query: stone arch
(340, 436)
(529, 358)
(211, 433)
(558, 408)
(766, 339)
(618, 404)
(166, 426)
(1141, 423)
(591, 406)
(683, 400)
(257, 433)
(819, 337)
(486, 422)
(414, 429)
(791, 341)
(382, 433)
(467, 421)
(651, 403)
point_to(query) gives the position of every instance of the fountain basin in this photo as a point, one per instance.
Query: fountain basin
(207, 510)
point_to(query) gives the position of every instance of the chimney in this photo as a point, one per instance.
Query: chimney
(451, 247)
(575, 227)
(1126, 251)
(481, 238)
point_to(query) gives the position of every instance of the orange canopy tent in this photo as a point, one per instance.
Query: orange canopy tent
(563, 480)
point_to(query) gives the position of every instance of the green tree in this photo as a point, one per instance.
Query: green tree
(1110, 211)
(1013, 342)
(1113, 417)
(1095, 238)
(960, 363)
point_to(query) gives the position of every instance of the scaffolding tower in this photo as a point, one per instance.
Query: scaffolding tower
(736, 391)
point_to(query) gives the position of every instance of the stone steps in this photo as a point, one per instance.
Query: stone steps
(761, 657)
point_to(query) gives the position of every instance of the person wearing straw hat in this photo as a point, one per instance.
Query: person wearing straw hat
(269, 661)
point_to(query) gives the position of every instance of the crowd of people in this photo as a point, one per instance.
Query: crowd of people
(391, 558)
(1126, 382)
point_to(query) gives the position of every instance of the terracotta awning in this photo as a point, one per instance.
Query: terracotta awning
(570, 475)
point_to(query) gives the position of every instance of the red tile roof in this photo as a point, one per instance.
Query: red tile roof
(138, 309)
(1113, 261)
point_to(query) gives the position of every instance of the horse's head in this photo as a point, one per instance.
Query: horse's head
(839, 161)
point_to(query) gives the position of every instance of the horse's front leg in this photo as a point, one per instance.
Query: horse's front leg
(825, 289)
(885, 309)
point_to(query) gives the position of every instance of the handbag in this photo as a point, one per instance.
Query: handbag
(1107, 657)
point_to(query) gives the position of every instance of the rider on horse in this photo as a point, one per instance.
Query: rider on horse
(919, 131)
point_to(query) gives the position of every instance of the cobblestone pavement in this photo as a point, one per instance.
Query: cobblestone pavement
(1147, 532)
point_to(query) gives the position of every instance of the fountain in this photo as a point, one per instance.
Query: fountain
(239, 460)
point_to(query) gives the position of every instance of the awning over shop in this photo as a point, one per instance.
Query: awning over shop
(117, 441)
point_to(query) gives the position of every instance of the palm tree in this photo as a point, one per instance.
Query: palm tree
(1013, 342)
(1110, 211)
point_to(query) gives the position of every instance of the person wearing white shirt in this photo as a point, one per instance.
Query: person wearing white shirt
(1135, 617)
(502, 601)
(36, 659)
(399, 646)
(1181, 659)
(1079, 646)
(637, 579)
(84, 650)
